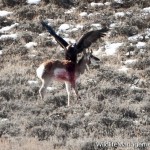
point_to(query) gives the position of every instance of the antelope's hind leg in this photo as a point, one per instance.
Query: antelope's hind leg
(75, 90)
(43, 88)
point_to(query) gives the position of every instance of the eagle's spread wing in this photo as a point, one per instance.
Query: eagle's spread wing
(59, 39)
(87, 39)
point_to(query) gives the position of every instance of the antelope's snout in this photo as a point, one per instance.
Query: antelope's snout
(94, 60)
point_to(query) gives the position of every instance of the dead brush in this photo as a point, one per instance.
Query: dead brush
(109, 109)
(27, 37)
(127, 30)
(27, 12)
(5, 22)
(60, 3)
(12, 3)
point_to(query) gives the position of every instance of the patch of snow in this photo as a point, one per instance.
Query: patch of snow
(119, 1)
(91, 124)
(61, 49)
(142, 51)
(66, 35)
(1, 52)
(31, 44)
(142, 82)
(54, 41)
(4, 13)
(90, 15)
(32, 55)
(42, 34)
(140, 45)
(64, 27)
(113, 25)
(111, 49)
(97, 25)
(32, 82)
(129, 13)
(134, 87)
(70, 40)
(119, 14)
(131, 53)
(33, 1)
(74, 29)
(146, 10)
(51, 88)
(70, 11)
(79, 26)
(130, 61)
(93, 4)
(147, 37)
(50, 20)
(87, 114)
(97, 53)
(123, 69)
(8, 36)
(4, 120)
(135, 38)
(97, 13)
(83, 14)
(147, 33)
(7, 28)
(107, 3)
(136, 122)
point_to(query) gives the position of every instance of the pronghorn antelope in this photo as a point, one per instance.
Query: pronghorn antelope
(63, 70)
(71, 50)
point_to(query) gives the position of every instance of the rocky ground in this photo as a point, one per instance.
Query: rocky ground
(114, 110)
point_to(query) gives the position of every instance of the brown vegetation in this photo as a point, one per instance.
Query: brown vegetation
(114, 106)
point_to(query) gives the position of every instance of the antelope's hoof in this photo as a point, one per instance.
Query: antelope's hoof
(79, 98)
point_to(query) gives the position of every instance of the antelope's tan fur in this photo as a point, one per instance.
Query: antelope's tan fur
(65, 71)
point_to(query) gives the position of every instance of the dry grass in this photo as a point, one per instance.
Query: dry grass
(110, 109)
(85, 144)
(24, 144)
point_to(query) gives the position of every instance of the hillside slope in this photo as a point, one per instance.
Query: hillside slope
(114, 110)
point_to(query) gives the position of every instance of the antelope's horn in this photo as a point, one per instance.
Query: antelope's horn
(84, 52)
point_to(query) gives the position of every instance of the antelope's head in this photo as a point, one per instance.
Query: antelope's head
(90, 59)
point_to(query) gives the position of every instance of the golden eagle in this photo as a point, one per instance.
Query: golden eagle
(71, 50)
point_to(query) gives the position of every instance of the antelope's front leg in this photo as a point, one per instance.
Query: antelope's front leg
(74, 86)
(68, 88)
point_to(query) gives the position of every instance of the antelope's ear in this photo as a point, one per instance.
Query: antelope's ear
(91, 52)
(94, 60)
(84, 52)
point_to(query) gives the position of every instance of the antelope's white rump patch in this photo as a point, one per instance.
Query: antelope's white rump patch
(40, 71)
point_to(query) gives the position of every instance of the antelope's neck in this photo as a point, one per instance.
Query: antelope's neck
(81, 67)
